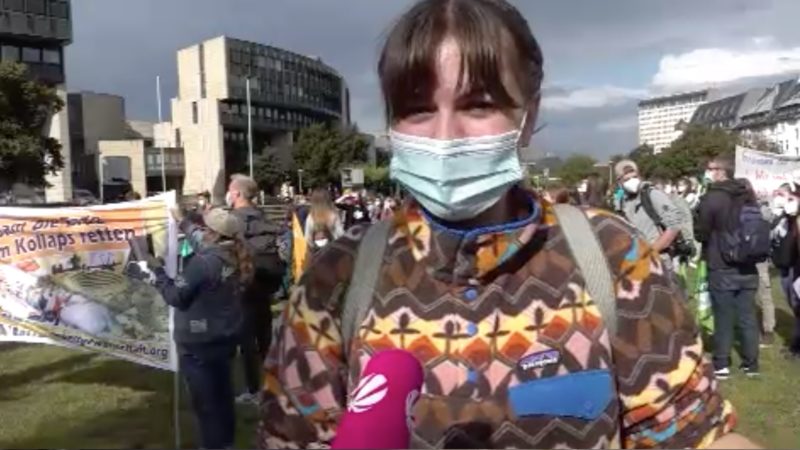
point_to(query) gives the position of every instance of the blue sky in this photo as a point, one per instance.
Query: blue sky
(601, 57)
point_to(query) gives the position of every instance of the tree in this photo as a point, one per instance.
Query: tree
(27, 155)
(688, 155)
(321, 151)
(377, 179)
(576, 168)
(268, 172)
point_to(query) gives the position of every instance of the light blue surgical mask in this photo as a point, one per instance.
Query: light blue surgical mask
(460, 178)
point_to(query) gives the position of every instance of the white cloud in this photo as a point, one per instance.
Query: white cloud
(712, 66)
(622, 123)
(592, 97)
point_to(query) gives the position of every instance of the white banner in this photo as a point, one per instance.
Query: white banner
(69, 276)
(766, 171)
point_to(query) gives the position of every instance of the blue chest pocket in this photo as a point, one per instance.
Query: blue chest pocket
(584, 395)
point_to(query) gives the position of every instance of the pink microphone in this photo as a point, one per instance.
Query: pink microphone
(379, 408)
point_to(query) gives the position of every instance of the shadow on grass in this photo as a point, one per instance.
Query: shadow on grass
(8, 346)
(149, 425)
(16, 379)
(784, 324)
(121, 374)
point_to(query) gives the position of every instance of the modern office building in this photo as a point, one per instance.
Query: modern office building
(658, 117)
(209, 120)
(35, 32)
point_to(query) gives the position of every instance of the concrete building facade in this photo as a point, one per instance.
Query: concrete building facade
(35, 32)
(659, 117)
(92, 117)
(288, 92)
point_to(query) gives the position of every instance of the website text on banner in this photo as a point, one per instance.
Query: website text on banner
(69, 276)
(766, 171)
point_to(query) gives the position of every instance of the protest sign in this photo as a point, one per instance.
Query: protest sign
(766, 171)
(74, 277)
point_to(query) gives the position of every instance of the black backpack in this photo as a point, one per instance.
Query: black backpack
(680, 247)
(747, 239)
(261, 238)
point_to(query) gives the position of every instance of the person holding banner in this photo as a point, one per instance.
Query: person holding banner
(208, 318)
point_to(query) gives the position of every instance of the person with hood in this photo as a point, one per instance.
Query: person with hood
(261, 236)
(208, 318)
(649, 210)
(732, 286)
(476, 278)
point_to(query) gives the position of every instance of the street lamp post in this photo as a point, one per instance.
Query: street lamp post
(300, 177)
(249, 127)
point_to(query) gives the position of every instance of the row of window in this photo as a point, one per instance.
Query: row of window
(271, 115)
(172, 159)
(268, 76)
(52, 8)
(30, 54)
(673, 103)
(270, 57)
(314, 101)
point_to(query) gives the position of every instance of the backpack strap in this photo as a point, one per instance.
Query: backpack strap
(591, 260)
(366, 271)
(647, 205)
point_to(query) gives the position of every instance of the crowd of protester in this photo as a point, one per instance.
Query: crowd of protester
(686, 221)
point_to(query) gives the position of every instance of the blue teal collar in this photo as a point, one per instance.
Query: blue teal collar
(469, 234)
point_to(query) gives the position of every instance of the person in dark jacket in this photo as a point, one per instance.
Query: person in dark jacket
(208, 319)
(260, 236)
(732, 288)
(786, 253)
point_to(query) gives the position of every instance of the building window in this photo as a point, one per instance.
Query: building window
(9, 53)
(32, 55)
(35, 7)
(15, 5)
(177, 137)
(59, 9)
(194, 112)
(51, 56)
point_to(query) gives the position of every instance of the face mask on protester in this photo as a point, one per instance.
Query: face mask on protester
(631, 186)
(682, 189)
(791, 207)
(457, 179)
(583, 187)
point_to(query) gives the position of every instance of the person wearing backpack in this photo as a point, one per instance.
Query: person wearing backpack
(536, 325)
(735, 237)
(651, 212)
(260, 236)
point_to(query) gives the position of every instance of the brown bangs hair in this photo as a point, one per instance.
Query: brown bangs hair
(494, 40)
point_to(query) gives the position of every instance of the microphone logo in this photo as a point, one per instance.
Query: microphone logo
(370, 390)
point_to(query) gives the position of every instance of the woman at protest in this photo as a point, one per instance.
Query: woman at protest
(323, 224)
(208, 317)
(786, 252)
(477, 281)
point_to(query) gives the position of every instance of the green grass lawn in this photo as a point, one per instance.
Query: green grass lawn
(52, 397)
